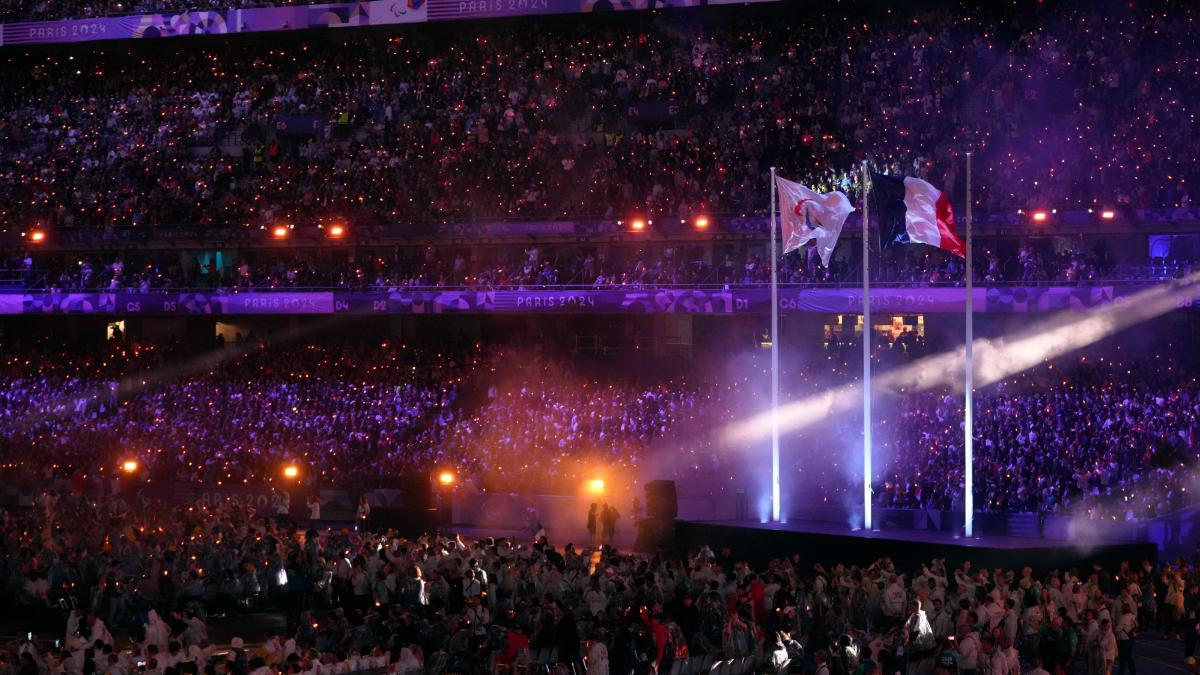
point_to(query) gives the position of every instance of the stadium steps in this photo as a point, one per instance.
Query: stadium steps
(1023, 525)
(231, 142)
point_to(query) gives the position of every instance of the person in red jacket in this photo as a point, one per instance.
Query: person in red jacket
(758, 599)
(657, 631)
(514, 643)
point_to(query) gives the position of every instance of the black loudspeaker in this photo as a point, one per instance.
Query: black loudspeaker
(655, 534)
(410, 523)
(415, 492)
(661, 500)
(405, 504)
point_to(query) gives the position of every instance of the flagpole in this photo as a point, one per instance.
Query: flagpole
(775, 509)
(968, 385)
(866, 340)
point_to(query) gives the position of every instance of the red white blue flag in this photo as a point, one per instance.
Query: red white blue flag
(913, 211)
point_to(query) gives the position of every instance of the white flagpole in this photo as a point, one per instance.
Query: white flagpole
(866, 340)
(969, 368)
(774, 362)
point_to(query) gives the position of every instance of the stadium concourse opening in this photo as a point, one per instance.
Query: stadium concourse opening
(444, 337)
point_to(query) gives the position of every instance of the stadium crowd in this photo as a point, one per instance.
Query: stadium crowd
(1064, 105)
(138, 586)
(667, 115)
(1106, 437)
(1082, 438)
(345, 412)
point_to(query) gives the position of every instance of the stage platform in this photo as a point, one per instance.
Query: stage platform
(825, 542)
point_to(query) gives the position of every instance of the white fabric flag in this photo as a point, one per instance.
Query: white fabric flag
(811, 216)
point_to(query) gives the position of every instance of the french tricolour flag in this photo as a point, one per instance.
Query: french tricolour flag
(913, 211)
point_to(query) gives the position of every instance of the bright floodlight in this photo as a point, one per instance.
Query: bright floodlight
(37, 236)
(337, 231)
(701, 222)
(1108, 214)
(129, 466)
(446, 478)
(280, 232)
(1040, 216)
(637, 225)
(291, 471)
(596, 486)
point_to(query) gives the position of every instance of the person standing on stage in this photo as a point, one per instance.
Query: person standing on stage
(363, 517)
(283, 505)
(314, 508)
(608, 523)
(591, 525)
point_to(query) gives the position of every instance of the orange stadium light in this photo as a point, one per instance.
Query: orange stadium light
(700, 223)
(1039, 216)
(291, 471)
(446, 478)
(1108, 214)
(596, 486)
(37, 236)
(280, 232)
(129, 466)
(337, 231)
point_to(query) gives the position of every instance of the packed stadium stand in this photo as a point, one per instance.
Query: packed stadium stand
(438, 337)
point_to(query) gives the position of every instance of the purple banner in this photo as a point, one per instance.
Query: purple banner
(996, 300)
(444, 10)
(448, 10)
(302, 17)
(846, 301)
(275, 303)
(215, 22)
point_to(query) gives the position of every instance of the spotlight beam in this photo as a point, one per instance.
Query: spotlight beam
(994, 359)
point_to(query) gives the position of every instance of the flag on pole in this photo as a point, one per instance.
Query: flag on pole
(806, 216)
(913, 211)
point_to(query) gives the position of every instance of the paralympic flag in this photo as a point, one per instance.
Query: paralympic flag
(913, 211)
(806, 216)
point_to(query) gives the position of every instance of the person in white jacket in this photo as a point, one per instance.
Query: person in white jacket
(968, 647)
(410, 661)
(597, 658)
(1091, 642)
(158, 633)
(99, 631)
(1107, 643)
(921, 643)
(74, 619)
(1010, 663)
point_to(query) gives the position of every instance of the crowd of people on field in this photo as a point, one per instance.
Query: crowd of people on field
(138, 587)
